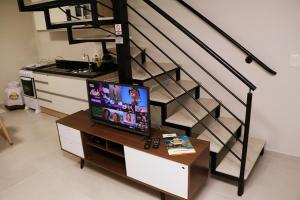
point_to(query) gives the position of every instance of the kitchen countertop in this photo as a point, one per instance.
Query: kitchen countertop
(53, 69)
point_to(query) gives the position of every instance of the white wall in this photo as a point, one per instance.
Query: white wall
(52, 44)
(270, 29)
(17, 42)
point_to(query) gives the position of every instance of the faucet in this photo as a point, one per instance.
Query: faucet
(89, 62)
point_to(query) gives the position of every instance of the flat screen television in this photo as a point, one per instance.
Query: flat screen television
(121, 106)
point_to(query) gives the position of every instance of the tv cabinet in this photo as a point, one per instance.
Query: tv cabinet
(122, 153)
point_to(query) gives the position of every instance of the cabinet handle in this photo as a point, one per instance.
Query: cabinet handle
(46, 100)
(42, 82)
(182, 167)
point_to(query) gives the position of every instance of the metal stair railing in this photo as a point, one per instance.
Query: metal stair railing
(186, 92)
(250, 57)
(189, 75)
(197, 82)
(178, 101)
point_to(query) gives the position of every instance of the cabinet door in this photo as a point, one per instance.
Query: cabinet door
(158, 172)
(70, 140)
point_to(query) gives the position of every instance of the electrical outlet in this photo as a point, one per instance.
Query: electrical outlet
(295, 60)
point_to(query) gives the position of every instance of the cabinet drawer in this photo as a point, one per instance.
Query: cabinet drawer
(41, 85)
(41, 77)
(166, 175)
(45, 100)
(71, 87)
(68, 105)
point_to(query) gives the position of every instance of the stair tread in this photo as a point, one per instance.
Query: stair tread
(159, 94)
(183, 118)
(221, 132)
(134, 51)
(101, 37)
(39, 2)
(231, 166)
(82, 20)
(140, 74)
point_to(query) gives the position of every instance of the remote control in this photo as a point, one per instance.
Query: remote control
(156, 143)
(147, 144)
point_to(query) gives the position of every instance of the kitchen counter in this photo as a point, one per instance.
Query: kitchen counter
(61, 87)
(80, 73)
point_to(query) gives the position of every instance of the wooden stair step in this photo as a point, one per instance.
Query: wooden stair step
(160, 95)
(223, 134)
(139, 74)
(134, 51)
(104, 20)
(183, 118)
(95, 39)
(231, 165)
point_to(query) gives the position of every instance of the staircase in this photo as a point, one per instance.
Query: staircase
(233, 152)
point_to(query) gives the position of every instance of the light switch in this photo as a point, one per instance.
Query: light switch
(295, 60)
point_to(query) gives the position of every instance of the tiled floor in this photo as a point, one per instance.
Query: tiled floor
(36, 169)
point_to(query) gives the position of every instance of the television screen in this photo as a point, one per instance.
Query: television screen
(121, 106)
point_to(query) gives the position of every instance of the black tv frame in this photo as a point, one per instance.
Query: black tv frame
(112, 124)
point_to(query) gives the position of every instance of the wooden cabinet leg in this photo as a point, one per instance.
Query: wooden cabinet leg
(81, 163)
(6, 134)
(162, 196)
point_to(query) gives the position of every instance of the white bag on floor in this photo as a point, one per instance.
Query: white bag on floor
(13, 94)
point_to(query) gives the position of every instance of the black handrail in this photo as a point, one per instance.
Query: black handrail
(202, 45)
(250, 56)
(187, 55)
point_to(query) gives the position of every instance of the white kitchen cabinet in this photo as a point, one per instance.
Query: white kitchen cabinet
(158, 172)
(60, 93)
(65, 94)
(70, 140)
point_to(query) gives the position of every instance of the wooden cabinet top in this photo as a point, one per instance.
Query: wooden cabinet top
(81, 121)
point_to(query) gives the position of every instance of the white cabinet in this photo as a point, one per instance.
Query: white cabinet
(70, 140)
(65, 94)
(61, 93)
(158, 172)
